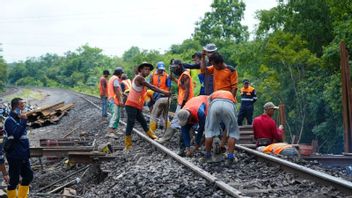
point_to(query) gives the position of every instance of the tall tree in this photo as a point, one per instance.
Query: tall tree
(223, 23)
(310, 19)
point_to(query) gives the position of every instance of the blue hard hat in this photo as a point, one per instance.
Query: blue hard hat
(160, 65)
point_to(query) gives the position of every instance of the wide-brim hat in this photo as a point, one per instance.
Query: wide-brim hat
(145, 64)
(211, 47)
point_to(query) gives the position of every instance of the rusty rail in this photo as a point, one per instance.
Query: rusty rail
(320, 177)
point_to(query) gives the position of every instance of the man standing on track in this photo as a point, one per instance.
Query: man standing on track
(248, 98)
(17, 150)
(135, 103)
(185, 92)
(103, 89)
(115, 100)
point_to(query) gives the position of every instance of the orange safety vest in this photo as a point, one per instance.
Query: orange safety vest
(127, 84)
(136, 98)
(276, 148)
(222, 94)
(101, 90)
(160, 80)
(181, 91)
(111, 92)
(193, 106)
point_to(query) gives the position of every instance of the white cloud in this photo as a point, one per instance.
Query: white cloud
(35, 27)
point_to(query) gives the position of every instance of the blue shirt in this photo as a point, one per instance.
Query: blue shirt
(17, 128)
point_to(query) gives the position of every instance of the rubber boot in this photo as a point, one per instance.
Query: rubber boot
(128, 142)
(11, 193)
(168, 135)
(152, 135)
(23, 191)
(152, 126)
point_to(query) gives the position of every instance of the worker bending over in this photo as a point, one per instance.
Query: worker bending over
(193, 113)
(222, 109)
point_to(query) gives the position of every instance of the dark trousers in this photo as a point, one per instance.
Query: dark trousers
(19, 168)
(245, 112)
(134, 114)
(186, 136)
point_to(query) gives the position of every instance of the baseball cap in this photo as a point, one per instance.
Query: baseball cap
(183, 116)
(270, 105)
(211, 47)
(160, 65)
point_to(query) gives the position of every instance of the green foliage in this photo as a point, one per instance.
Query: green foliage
(308, 18)
(222, 23)
(3, 73)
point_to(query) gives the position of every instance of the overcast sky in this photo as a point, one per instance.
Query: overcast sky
(34, 27)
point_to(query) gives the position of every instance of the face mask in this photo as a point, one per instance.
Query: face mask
(18, 111)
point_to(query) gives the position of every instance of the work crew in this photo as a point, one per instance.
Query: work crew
(185, 92)
(103, 90)
(159, 113)
(264, 127)
(161, 80)
(115, 100)
(281, 148)
(135, 103)
(222, 109)
(248, 98)
(16, 147)
(192, 114)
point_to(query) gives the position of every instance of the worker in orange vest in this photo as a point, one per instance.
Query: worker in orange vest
(161, 80)
(103, 90)
(248, 98)
(281, 148)
(125, 84)
(185, 93)
(135, 102)
(222, 109)
(115, 100)
(192, 114)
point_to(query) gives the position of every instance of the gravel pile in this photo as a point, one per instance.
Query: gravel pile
(146, 172)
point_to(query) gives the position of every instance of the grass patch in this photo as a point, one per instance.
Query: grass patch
(26, 94)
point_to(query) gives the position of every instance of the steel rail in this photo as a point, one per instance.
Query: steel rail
(222, 185)
(317, 176)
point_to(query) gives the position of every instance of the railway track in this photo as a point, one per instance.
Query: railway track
(245, 183)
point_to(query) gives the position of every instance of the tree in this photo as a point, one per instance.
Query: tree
(223, 23)
(310, 19)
